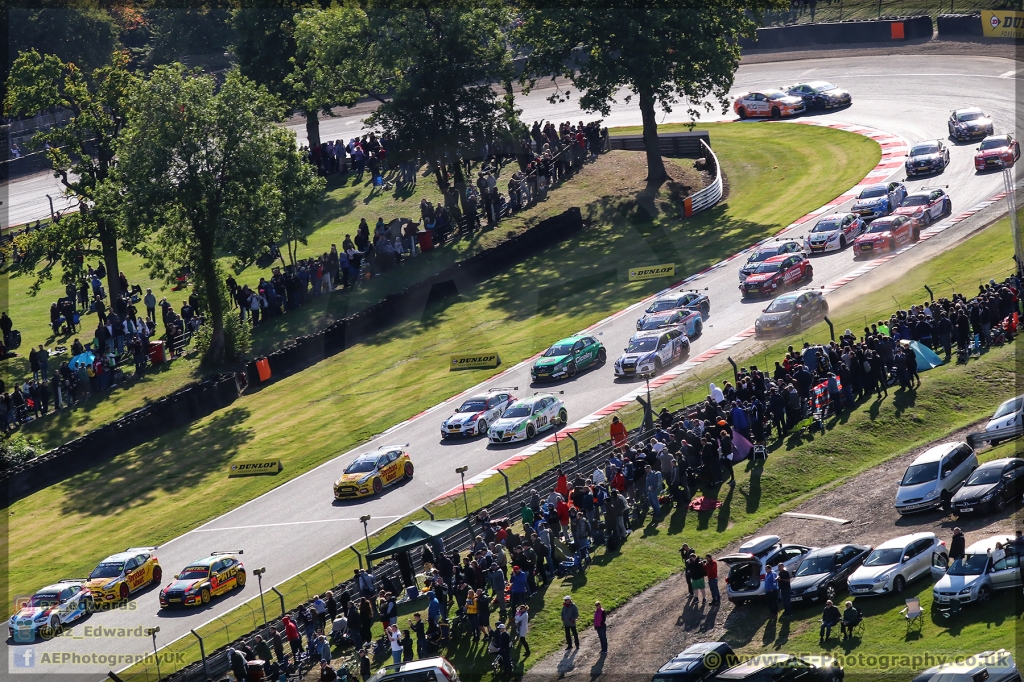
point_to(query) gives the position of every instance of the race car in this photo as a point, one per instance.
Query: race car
(690, 298)
(925, 205)
(567, 357)
(777, 273)
(475, 413)
(927, 157)
(965, 124)
(997, 151)
(371, 472)
(48, 610)
(833, 232)
(527, 417)
(875, 201)
(820, 95)
(201, 580)
(649, 351)
(117, 576)
(789, 312)
(689, 321)
(774, 103)
(885, 234)
(765, 251)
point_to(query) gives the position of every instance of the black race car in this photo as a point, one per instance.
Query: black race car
(926, 158)
(993, 485)
(790, 312)
(966, 124)
(819, 95)
(824, 571)
(785, 668)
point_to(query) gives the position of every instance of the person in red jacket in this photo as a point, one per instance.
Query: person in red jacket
(562, 484)
(291, 633)
(618, 434)
(711, 569)
(562, 509)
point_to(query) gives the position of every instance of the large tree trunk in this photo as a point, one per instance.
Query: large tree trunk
(312, 129)
(211, 284)
(655, 165)
(108, 239)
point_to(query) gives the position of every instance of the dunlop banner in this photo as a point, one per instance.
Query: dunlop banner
(1002, 24)
(258, 467)
(474, 361)
(652, 272)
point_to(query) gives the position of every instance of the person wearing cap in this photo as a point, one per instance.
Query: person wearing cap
(503, 641)
(600, 624)
(570, 614)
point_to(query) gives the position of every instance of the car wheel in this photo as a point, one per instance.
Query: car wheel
(240, 579)
(52, 628)
(89, 605)
(892, 244)
(602, 356)
(698, 329)
(123, 591)
(842, 243)
(944, 505)
(158, 574)
(915, 235)
(378, 486)
(657, 365)
(984, 594)
(949, 208)
(776, 113)
(705, 309)
(409, 470)
(204, 596)
(481, 427)
(1001, 503)
(898, 584)
(741, 112)
(563, 417)
(531, 431)
(571, 371)
(808, 274)
(736, 602)
(830, 592)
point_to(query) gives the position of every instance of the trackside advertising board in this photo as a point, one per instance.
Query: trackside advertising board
(474, 361)
(652, 272)
(259, 467)
(1002, 24)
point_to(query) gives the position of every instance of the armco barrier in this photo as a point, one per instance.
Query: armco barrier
(840, 33)
(959, 25)
(133, 429)
(710, 195)
(671, 144)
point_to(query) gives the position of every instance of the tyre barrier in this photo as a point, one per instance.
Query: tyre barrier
(841, 33)
(959, 25)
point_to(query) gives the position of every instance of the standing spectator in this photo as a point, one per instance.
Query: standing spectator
(291, 633)
(601, 625)
(697, 578)
(522, 623)
(364, 665)
(321, 611)
(654, 483)
(570, 614)
(784, 580)
(618, 434)
(504, 643)
(957, 545)
(407, 650)
(6, 326)
(771, 592)
(262, 649)
(395, 638)
(711, 570)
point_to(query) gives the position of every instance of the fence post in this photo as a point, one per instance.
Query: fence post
(202, 654)
(576, 445)
(281, 597)
(429, 513)
(508, 490)
(358, 554)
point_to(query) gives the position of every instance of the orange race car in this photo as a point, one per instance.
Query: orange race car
(773, 103)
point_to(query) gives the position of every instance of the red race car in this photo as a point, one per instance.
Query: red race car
(776, 273)
(885, 234)
(997, 151)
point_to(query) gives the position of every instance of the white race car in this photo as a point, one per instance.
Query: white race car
(525, 418)
(833, 232)
(49, 609)
(649, 351)
(476, 413)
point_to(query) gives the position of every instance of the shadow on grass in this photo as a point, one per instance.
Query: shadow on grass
(175, 462)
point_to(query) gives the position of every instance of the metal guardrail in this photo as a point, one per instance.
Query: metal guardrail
(712, 194)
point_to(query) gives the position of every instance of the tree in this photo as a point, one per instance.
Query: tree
(443, 59)
(664, 51)
(77, 33)
(200, 167)
(81, 152)
(301, 189)
(187, 27)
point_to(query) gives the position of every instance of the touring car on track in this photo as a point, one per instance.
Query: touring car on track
(927, 157)
(475, 413)
(371, 472)
(773, 103)
(204, 579)
(875, 201)
(833, 232)
(689, 321)
(48, 610)
(790, 312)
(527, 417)
(965, 124)
(885, 234)
(117, 576)
(820, 95)
(925, 205)
(692, 298)
(565, 358)
(650, 351)
(776, 274)
(778, 247)
(996, 152)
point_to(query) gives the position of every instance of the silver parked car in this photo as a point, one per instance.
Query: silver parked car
(982, 570)
(1007, 422)
(747, 568)
(896, 563)
(934, 477)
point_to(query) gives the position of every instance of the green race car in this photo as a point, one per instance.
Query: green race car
(567, 357)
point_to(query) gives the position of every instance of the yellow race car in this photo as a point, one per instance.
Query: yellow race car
(117, 576)
(208, 577)
(371, 472)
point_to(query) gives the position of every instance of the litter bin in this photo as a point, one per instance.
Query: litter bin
(263, 368)
(157, 354)
(426, 241)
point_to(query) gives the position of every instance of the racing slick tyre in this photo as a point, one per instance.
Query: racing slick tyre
(898, 584)
(809, 274)
(377, 486)
(481, 429)
(842, 243)
(915, 235)
(892, 244)
(89, 604)
(705, 309)
(741, 112)
(204, 596)
(571, 370)
(531, 431)
(776, 113)
(563, 417)
(240, 579)
(409, 470)
(123, 592)
(698, 329)
(926, 219)
(51, 629)
(158, 574)
(657, 365)
(602, 357)
(949, 207)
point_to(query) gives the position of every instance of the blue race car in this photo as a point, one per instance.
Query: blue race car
(875, 201)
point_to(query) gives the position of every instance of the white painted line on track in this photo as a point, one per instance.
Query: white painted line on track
(287, 523)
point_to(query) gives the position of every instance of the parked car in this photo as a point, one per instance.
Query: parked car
(823, 572)
(982, 570)
(1007, 422)
(750, 564)
(437, 669)
(991, 666)
(934, 477)
(896, 563)
(785, 668)
(991, 486)
(697, 663)
(968, 123)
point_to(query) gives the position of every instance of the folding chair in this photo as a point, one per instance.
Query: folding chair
(912, 613)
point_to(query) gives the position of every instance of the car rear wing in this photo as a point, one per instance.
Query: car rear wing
(548, 392)
(402, 445)
(696, 291)
(224, 553)
(73, 580)
(142, 549)
(503, 388)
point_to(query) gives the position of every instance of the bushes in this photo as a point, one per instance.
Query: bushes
(17, 450)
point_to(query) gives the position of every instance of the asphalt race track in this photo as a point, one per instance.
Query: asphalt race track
(298, 524)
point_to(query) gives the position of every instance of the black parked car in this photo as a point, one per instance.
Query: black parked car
(993, 485)
(824, 571)
(698, 663)
(785, 668)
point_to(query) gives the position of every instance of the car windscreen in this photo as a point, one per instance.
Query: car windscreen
(768, 267)
(361, 466)
(763, 254)
(969, 116)
(884, 557)
(969, 564)
(558, 349)
(813, 565)
(107, 571)
(775, 94)
(881, 226)
(44, 600)
(518, 411)
(781, 305)
(993, 144)
(985, 476)
(916, 200)
(194, 573)
(1008, 407)
(827, 226)
(473, 406)
(659, 306)
(642, 345)
(921, 473)
(872, 192)
(924, 149)
(823, 87)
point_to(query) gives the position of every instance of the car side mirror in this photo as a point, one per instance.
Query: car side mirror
(945, 474)
(177, 575)
(764, 310)
(625, 350)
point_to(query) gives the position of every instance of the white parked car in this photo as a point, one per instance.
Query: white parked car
(991, 666)
(476, 413)
(750, 564)
(934, 477)
(982, 570)
(896, 563)
(1007, 422)
(437, 669)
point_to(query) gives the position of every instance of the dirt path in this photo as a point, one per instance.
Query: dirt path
(652, 627)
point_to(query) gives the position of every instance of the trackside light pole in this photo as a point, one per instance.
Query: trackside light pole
(259, 579)
(366, 534)
(461, 471)
(152, 633)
